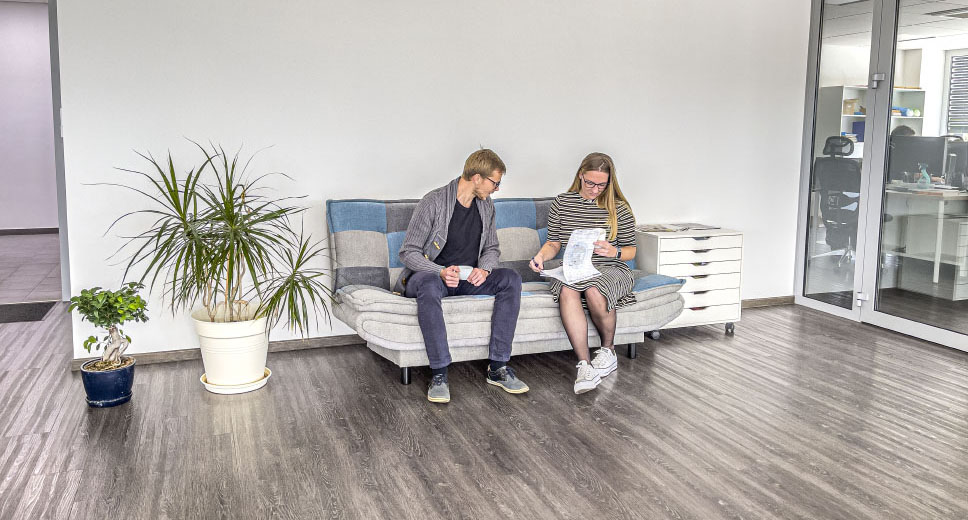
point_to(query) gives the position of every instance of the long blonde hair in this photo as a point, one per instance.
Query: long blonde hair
(611, 197)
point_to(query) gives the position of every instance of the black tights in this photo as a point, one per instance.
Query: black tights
(573, 318)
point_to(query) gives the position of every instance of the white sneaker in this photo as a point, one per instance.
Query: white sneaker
(605, 361)
(587, 379)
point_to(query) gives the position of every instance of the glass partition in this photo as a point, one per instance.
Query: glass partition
(843, 109)
(923, 256)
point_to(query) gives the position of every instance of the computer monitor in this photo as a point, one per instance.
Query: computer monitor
(956, 167)
(908, 152)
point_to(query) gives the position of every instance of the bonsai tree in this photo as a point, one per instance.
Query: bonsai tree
(109, 310)
(218, 238)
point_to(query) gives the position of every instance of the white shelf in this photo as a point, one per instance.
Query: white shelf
(894, 116)
(831, 119)
(896, 89)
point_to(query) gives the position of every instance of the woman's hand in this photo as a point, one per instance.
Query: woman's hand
(606, 249)
(536, 264)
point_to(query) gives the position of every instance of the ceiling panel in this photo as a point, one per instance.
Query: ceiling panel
(847, 25)
(913, 23)
(831, 11)
(850, 40)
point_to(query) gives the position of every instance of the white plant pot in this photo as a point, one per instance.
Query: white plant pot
(234, 353)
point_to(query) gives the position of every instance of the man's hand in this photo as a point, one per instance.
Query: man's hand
(450, 276)
(477, 277)
(603, 248)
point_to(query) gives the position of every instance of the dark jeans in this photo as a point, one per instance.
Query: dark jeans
(428, 289)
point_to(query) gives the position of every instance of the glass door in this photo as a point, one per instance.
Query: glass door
(837, 154)
(915, 272)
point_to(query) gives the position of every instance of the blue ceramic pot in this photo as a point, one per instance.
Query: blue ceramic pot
(108, 388)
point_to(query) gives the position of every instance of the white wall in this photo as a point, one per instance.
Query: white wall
(907, 68)
(27, 181)
(932, 81)
(700, 103)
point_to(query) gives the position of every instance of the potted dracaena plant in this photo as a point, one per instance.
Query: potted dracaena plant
(108, 380)
(217, 238)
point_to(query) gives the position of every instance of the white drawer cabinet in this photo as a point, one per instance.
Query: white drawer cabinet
(710, 262)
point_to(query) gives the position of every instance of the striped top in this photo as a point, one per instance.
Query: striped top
(571, 211)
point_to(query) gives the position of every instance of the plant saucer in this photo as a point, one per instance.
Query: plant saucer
(236, 389)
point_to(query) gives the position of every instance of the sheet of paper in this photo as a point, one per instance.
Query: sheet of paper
(576, 264)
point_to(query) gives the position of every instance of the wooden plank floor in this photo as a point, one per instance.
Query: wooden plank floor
(800, 415)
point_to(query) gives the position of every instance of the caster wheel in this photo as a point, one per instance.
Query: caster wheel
(654, 335)
(730, 329)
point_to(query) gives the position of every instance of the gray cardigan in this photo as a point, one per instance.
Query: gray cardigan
(427, 233)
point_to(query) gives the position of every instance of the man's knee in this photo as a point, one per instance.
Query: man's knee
(425, 284)
(508, 278)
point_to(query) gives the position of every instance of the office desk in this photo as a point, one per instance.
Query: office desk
(931, 202)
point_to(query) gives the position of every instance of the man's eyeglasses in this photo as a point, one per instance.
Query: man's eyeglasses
(496, 184)
(591, 185)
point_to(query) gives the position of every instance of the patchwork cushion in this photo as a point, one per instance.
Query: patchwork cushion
(365, 237)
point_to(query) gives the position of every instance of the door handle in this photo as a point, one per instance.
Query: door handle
(877, 78)
(700, 264)
(701, 250)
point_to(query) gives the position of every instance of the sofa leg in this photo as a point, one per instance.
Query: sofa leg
(405, 375)
(632, 351)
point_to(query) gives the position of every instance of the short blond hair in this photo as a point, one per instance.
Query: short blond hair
(483, 162)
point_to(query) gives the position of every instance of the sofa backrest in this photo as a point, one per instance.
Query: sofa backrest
(365, 236)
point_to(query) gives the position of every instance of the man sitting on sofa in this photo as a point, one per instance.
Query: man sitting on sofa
(451, 249)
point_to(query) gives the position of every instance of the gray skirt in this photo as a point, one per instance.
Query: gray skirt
(615, 283)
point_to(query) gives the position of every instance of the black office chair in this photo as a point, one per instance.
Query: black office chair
(836, 180)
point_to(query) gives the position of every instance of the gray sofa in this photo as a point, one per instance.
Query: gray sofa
(365, 237)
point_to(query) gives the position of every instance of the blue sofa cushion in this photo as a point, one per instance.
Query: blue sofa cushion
(651, 281)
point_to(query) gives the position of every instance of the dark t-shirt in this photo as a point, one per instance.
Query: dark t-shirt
(463, 237)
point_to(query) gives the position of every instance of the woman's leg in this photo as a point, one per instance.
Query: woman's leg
(573, 318)
(603, 319)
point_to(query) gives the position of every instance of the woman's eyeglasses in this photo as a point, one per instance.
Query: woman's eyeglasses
(592, 185)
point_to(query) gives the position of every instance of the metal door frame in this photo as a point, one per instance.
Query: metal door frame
(806, 162)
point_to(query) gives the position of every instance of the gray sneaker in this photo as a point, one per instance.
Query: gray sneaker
(438, 392)
(504, 377)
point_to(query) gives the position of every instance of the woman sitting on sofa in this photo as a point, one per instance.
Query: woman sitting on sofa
(594, 200)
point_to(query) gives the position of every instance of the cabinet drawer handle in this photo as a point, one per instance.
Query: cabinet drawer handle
(698, 308)
(700, 292)
(700, 264)
(700, 276)
(701, 238)
(701, 250)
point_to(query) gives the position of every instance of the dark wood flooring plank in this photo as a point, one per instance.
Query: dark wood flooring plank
(799, 415)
